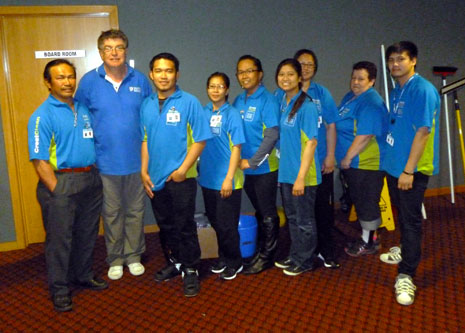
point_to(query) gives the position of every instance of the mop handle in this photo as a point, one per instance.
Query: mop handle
(386, 91)
(459, 124)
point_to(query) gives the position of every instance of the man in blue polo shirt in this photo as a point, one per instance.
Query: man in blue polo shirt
(113, 92)
(412, 156)
(61, 148)
(174, 129)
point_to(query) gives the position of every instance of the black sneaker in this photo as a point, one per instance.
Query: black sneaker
(169, 271)
(62, 303)
(285, 263)
(329, 262)
(295, 270)
(230, 273)
(360, 247)
(190, 276)
(218, 268)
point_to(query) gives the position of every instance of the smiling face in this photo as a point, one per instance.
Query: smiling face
(217, 90)
(62, 82)
(360, 82)
(113, 52)
(308, 66)
(288, 80)
(164, 77)
(248, 75)
(401, 66)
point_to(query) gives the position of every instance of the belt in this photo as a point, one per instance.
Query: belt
(84, 169)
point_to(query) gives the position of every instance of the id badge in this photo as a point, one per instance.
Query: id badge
(173, 117)
(215, 121)
(87, 133)
(320, 121)
(390, 139)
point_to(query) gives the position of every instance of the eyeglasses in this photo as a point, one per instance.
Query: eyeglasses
(216, 86)
(247, 71)
(117, 48)
(307, 64)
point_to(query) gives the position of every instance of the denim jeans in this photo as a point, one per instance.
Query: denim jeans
(300, 213)
(410, 220)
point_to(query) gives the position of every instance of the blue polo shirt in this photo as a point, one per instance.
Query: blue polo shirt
(171, 132)
(227, 130)
(259, 111)
(294, 134)
(327, 112)
(415, 105)
(116, 118)
(57, 135)
(365, 114)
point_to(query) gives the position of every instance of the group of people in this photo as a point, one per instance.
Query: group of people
(92, 150)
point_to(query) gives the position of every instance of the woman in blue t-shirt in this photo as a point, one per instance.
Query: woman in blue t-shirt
(361, 131)
(299, 172)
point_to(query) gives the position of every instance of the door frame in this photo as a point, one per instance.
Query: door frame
(12, 143)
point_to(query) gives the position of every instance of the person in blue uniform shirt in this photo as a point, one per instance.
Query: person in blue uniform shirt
(299, 169)
(61, 148)
(412, 155)
(260, 112)
(327, 111)
(361, 128)
(113, 92)
(175, 130)
(220, 177)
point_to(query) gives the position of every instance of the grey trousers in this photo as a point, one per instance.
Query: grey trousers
(123, 218)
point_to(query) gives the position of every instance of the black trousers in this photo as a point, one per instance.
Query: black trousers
(174, 209)
(223, 215)
(410, 220)
(71, 218)
(324, 214)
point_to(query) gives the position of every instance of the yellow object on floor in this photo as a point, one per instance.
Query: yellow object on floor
(282, 217)
(385, 207)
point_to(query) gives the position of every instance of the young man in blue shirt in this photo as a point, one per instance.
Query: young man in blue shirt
(175, 130)
(61, 148)
(412, 156)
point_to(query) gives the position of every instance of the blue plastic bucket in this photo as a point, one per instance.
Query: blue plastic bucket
(248, 235)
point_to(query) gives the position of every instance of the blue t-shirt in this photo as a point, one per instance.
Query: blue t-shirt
(415, 105)
(327, 112)
(259, 111)
(227, 130)
(294, 134)
(365, 114)
(60, 136)
(115, 118)
(171, 132)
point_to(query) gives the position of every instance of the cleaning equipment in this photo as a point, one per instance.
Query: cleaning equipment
(248, 235)
(445, 71)
(459, 124)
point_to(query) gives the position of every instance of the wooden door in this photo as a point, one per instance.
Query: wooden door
(24, 30)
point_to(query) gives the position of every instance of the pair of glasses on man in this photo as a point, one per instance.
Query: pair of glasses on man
(117, 48)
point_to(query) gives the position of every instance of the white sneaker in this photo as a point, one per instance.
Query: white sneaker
(115, 272)
(393, 257)
(136, 268)
(405, 289)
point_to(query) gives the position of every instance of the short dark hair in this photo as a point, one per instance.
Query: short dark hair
(112, 34)
(402, 46)
(255, 60)
(223, 76)
(310, 52)
(167, 56)
(369, 67)
(53, 63)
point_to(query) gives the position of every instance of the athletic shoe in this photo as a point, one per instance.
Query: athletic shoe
(393, 257)
(230, 273)
(218, 268)
(115, 272)
(285, 263)
(295, 270)
(405, 289)
(359, 248)
(136, 268)
(190, 277)
(329, 263)
(169, 271)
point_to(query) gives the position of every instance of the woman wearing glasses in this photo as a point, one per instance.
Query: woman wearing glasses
(260, 113)
(299, 171)
(361, 132)
(219, 176)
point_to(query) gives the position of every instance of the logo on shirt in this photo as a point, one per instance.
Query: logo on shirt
(317, 104)
(135, 89)
(343, 111)
(36, 136)
(290, 122)
(249, 115)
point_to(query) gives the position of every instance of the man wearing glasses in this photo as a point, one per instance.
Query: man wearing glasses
(113, 92)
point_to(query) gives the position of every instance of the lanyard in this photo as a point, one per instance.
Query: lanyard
(396, 105)
(345, 104)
